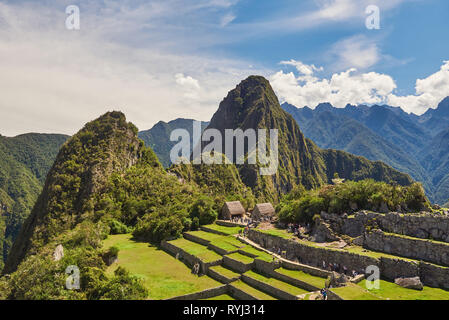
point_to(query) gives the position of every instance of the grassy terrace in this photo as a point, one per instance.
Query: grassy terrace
(222, 297)
(240, 257)
(227, 230)
(225, 272)
(252, 291)
(196, 249)
(276, 283)
(162, 274)
(300, 275)
(390, 290)
(354, 292)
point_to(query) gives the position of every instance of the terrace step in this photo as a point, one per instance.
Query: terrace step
(192, 253)
(238, 262)
(243, 291)
(223, 274)
(272, 286)
(299, 279)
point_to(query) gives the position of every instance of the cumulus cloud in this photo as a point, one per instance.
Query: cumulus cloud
(55, 80)
(429, 92)
(356, 88)
(342, 88)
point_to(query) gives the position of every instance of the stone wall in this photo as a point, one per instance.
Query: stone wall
(187, 258)
(239, 294)
(205, 294)
(225, 223)
(236, 265)
(434, 276)
(414, 248)
(220, 277)
(265, 287)
(196, 239)
(390, 268)
(422, 225)
(294, 281)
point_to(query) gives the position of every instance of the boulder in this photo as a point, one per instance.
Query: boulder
(59, 253)
(409, 283)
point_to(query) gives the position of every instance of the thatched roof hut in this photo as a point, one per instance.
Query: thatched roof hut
(232, 209)
(263, 210)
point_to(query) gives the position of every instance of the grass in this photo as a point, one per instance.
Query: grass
(354, 292)
(276, 283)
(225, 272)
(278, 233)
(305, 277)
(390, 290)
(222, 297)
(240, 257)
(252, 291)
(227, 230)
(258, 253)
(198, 250)
(162, 274)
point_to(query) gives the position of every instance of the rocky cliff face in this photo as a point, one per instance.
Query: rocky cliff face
(254, 105)
(81, 169)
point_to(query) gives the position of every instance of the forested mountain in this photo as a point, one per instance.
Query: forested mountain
(409, 143)
(158, 137)
(24, 163)
(254, 105)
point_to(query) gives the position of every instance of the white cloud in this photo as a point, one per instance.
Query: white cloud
(55, 80)
(356, 88)
(429, 92)
(227, 19)
(355, 52)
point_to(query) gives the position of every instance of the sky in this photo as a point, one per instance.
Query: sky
(165, 59)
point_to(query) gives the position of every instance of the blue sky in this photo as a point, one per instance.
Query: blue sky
(164, 59)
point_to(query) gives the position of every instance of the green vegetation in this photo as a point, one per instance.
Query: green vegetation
(223, 229)
(252, 291)
(198, 250)
(158, 137)
(258, 253)
(225, 272)
(165, 279)
(24, 163)
(240, 257)
(254, 105)
(300, 275)
(222, 297)
(213, 179)
(276, 283)
(354, 292)
(390, 290)
(301, 205)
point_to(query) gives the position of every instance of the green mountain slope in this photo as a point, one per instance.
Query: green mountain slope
(330, 129)
(24, 163)
(253, 104)
(103, 181)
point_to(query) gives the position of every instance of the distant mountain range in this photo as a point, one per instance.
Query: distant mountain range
(158, 137)
(417, 145)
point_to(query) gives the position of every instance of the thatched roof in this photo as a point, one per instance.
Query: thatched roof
(234, 208)
(264, 209)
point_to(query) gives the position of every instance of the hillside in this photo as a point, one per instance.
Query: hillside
(24, 163)
(253, 104)
(406, 142)
(158, 137)
(103, 181)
